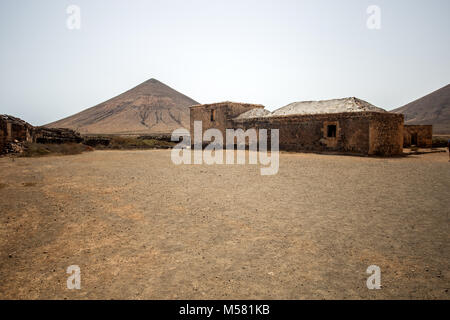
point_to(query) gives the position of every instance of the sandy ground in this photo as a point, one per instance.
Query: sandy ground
(140, 227)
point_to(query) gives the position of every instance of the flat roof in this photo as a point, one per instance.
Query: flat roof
(228, 103)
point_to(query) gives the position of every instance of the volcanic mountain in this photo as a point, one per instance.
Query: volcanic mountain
(151, 107)
(433, 109)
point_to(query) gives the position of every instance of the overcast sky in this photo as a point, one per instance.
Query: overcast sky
(268, 52)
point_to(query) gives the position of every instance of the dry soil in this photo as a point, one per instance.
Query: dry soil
(140, 227)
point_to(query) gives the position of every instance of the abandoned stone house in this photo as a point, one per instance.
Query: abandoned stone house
(11, 129)
(348, 125)
(14, 130)
(418, 135)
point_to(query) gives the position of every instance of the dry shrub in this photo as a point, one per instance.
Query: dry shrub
(440, 142)
(39, 149)
(120, 143)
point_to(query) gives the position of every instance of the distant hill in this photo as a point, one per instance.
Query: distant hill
(433, 109)
(151, 107)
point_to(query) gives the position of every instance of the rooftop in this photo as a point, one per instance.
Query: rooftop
(8, 118)
(254, 113)
(327, 106)
(229, 103)
(314, 107)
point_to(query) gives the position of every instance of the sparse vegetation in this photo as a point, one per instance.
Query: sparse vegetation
(39, 149)
(122, 143)
(440, 141)
(116, 143)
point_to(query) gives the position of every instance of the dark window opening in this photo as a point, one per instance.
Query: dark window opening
(213, 115)
(331, 131)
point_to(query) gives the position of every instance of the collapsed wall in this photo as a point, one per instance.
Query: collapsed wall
(15, 131)
(56, 135)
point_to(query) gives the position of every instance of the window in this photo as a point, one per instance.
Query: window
(331, 131)
(213, 115)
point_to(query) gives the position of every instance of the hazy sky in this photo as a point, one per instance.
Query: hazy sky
(268, 52)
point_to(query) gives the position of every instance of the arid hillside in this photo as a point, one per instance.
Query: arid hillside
(151, 107)
(433, 109)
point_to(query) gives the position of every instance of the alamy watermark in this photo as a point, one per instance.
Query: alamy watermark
(374, 281)
(74, 280)
(214, 152)
(73, 21)
(374, 19)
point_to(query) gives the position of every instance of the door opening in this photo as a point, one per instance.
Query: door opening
(414, 139)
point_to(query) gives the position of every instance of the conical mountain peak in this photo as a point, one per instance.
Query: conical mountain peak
(150, 107)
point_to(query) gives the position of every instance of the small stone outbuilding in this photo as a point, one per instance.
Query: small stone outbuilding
(418, 135)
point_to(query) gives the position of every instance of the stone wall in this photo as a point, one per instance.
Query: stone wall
(363, 133)
(418, 135)
(54, 135)
(386, 134)
(14, 129)
(3, 133)
(224, 112)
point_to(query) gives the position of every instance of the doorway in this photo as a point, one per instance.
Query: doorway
(414, 139)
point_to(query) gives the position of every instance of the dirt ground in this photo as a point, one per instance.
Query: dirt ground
(140, 227)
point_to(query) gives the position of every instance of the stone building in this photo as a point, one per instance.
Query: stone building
(418, 135)
(348, 125)
(219, 115)
(14, 130)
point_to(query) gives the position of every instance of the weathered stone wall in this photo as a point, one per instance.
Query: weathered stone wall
(94, 141)
(3, 134)
(224, 113)
(419, 135)
(364, 133)
(12, 129)
(386, 134)
(53, 135)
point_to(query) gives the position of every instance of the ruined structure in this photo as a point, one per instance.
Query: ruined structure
(220, 115)
(54, 135)
(14, 131)
(418, 135)
(347, 125)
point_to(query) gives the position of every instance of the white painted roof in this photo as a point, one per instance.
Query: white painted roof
(254, 113)
(326, 106)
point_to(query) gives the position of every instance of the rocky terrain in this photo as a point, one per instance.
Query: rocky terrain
(151, 107)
